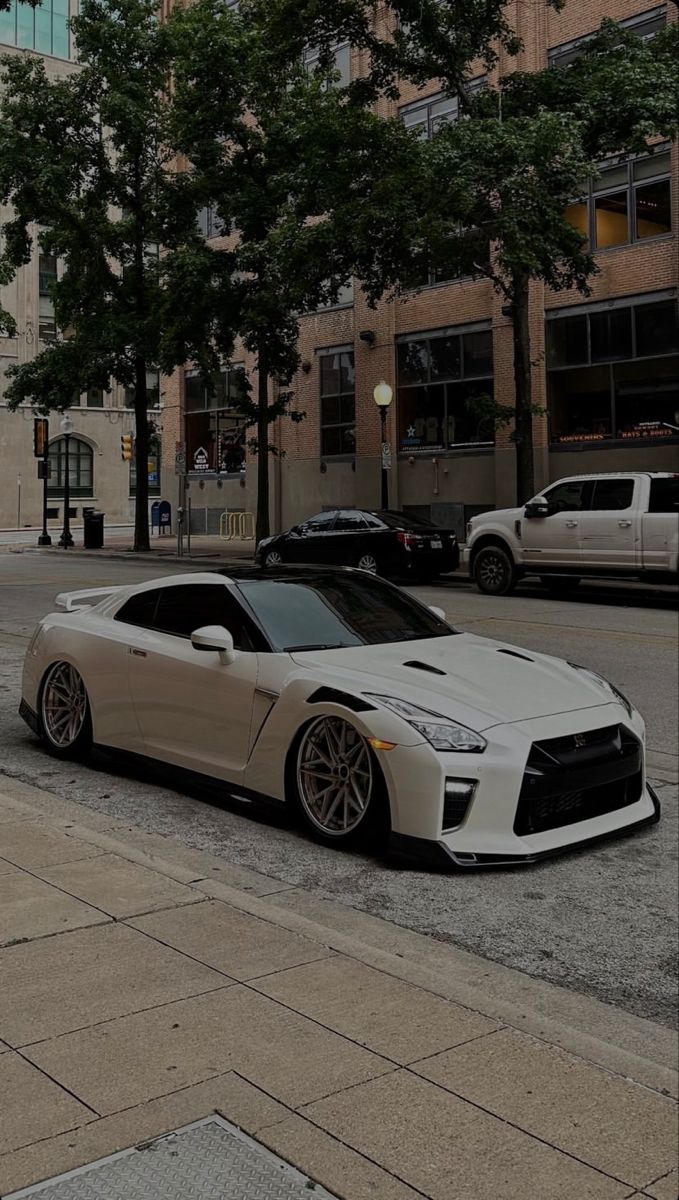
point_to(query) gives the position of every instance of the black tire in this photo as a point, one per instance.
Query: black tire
(560, 584)
(494, 571)
(66, 743)
(372, 827)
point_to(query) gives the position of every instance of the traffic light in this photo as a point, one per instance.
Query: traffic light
(127, 447)
(40, 436)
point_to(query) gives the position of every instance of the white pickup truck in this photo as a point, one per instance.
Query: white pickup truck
(622, 526)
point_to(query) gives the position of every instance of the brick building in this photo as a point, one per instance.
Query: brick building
(606, 369)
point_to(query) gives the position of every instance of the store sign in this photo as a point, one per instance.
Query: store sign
(583, 437)
(180, 458)
(647, 429)
(201, 461)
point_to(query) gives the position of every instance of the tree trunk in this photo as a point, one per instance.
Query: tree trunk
(525, 471)
(141, 457)
(262, 528)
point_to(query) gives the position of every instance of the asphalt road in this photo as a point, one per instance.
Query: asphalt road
(602, 921)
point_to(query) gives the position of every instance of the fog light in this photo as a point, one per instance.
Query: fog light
(457, 798)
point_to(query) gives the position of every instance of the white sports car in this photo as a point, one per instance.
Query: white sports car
(342, 695)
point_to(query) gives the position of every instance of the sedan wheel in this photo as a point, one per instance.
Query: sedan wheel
(367, 562)
(273, 559)
(65, 712)
(337, 780)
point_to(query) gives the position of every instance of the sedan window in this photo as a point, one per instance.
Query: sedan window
(327, 612)
(350, 522)
(323, 523)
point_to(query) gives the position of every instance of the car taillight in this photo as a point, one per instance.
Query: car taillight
(406, 539)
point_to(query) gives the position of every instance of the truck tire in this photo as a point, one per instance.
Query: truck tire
(494, 571)
(560, 584)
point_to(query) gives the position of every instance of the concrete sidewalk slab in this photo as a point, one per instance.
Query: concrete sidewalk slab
(33, 1106)
(368, 1006)
(137, 1058)
(233, 942)
(594, 1116)
(444, 1147)
(27, 844)
(117, 887)
(56, 986)
(666, 1188)
(30, 908)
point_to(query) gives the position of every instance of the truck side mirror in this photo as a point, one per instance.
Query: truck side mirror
(537, 508)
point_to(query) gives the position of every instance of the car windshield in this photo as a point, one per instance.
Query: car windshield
(328, 612)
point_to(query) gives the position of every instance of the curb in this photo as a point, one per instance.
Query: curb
(607, 1037)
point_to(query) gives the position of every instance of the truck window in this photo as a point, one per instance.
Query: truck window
(566, 497)
(664, 495)
(612, 494)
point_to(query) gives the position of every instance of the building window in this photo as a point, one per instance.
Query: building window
(80, 467)
(646, 25)
(338, 403)
(153, 473)
(613, 371)
(215, 423)
(427, 116)
(344, 298)
(445, 389)
(44, 28)
(341, 65)
(152, 391)
(94, 397)
(630, 201)
(209, 224)
(47, 277)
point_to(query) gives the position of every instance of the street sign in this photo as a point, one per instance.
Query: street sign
(40, 437)
(180, 458)
(386, 456)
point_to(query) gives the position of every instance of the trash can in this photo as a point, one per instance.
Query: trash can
(93, 522)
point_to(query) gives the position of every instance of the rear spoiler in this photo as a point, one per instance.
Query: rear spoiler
(72, 601)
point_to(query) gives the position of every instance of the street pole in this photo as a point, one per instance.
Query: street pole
(385, 473)
(45, 539)
(18, 501)
(66, 540)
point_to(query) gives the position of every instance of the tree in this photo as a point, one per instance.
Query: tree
(300, 174)
(87, 159)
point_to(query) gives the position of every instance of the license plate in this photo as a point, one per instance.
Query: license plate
(436, 544)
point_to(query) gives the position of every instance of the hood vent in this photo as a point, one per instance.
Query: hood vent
(423, 666)
(515, 654)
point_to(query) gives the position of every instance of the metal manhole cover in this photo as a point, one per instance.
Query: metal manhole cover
(208, 1160)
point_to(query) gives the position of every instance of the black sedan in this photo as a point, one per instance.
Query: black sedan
(384, 543)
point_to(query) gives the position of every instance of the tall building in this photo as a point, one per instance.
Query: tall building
(605, 368)
(98, 476)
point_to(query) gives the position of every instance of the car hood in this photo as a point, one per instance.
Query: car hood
(485, 682)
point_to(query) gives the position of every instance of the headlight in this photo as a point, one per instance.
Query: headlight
(607, 686)
(440, 732)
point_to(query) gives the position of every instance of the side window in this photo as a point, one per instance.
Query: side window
(612, 495)
(373, 522)
(664, 495)
(140, 610)
(566, 497)
(323, 523)
(349, 522)
(183, 609)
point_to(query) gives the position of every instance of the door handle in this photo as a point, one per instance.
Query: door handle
(137, 653)
(624, 524)
(571, 524)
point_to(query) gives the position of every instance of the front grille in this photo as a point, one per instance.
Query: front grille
(454, 811)
(577, 778)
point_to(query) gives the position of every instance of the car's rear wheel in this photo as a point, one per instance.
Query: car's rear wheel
(273, 559)
(65, 719)
(494, 571)
(368, 562)
(338, 785)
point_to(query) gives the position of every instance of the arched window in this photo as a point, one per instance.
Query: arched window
(80, 467)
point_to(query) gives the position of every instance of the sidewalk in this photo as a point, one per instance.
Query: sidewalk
(145, 986)
(119, 545)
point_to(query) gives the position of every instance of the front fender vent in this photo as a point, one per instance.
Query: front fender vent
(327, 695)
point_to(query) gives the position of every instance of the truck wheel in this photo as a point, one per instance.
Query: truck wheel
(560, 584)
(494, 571)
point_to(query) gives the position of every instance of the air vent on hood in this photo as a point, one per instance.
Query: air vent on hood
(423, 666)
(515, 654)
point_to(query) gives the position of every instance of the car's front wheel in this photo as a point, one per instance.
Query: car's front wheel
(65, 718)
(273, 558)
(338, 785)
(494, 571)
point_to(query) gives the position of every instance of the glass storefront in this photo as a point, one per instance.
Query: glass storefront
(215, 425)
(445, 390)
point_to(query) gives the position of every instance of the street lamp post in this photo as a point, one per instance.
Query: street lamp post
(383, 397)
(67, 429)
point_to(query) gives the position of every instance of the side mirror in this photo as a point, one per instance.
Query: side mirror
(438, 612)
(217, 639)
(537, 508)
